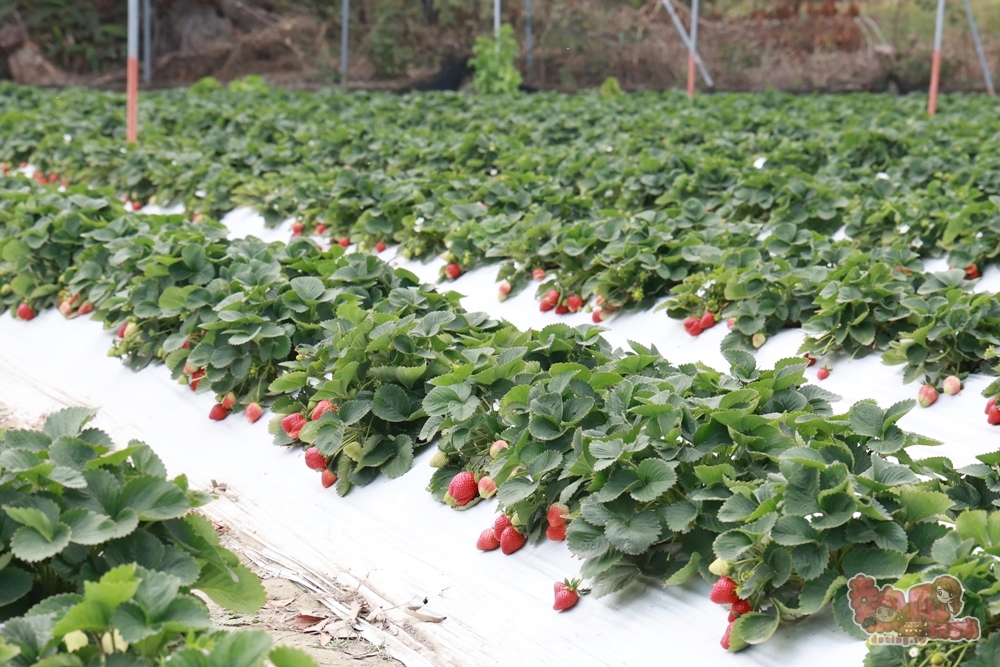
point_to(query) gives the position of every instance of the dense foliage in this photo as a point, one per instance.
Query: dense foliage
(99, 554)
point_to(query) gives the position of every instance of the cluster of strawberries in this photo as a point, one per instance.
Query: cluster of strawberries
(724, 592)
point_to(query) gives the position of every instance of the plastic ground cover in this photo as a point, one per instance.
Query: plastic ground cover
(405, 546)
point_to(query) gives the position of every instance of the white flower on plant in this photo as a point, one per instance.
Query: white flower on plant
(493, 172)
(914, 651)
(418, 224)
(902, 229)
(882, 176)
(200, 193)
(979, 235)
(609, 148)
(916, 243)
(609, 193)
(67, 138)
(759, 162)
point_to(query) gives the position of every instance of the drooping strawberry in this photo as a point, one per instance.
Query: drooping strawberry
(511, 540)
(538, 274)
(993, 416)
(136, 205)
(707, 321)
(253, 412)
(692, 325)
(292, 425)
(85, 309)
(498, 447)
(328, 478)
(810, 360)
(25, 312)
(927, 396)
(741, 607)
(315, 460)
(504, 288)
(971, 272)
(500, 524)
(487, 487)
(724, 642)
(823, 373)
(597, 316)
(724, 591)
(321, 407)
(196, 379)
(952, 385)
(561, 309)
(556, 514)
(344, 242)
(574, 303)
(488, 541)
(731, 323)
(218, 412)
(297, 227)
(229, 400)
(320, 228)
(566, 596)
(551, 297)
(556, 533)
(758, 340)
(380, 246)
(463, 488)
(990, 403)
(453, 270)
(545, 306)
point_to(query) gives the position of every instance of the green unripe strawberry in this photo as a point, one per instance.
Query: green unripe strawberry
(439, 460)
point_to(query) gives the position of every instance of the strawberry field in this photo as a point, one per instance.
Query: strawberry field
(648, 345)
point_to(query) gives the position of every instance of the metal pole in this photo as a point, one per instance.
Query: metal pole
(496, 24)
(687, 41)
(147, 41)
(132, 74)
(693, 47)
(936, 60)
(345, 20)
(983, 65)
(528, 40)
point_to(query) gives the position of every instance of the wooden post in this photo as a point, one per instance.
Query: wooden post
(529, 43)
(345, 21)
(692, 47)
(132, 74)
(983, 65)
(936, 60)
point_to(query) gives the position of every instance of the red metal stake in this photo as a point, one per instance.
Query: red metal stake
(691, 71)
(132, 75)
(935, 81)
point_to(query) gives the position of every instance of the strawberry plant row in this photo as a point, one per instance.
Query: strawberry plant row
(645, 469)
(729, 206)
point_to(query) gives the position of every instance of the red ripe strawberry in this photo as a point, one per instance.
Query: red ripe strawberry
(488, 541)
(196, 379)
(545, 306)
(927, 396)
(574, 303)
(726, 635)
(809, 358)
(463, 488)
(724, 591)
(296, 234)
(320, 228)
(136, 205)
(993, 416)
(741, 607)
(321, 407)
(218, 412)
(253, 412)
(328, 478)
(556, 533)
(538, 274)
(561, 309)
(453, 270)
(823, 373)
(732, 617)
(55, 177)
(597, 316)
(85, 309)
(551, 297)
(229, 400)
(500, 524)
(297, 227)
(693, 326)
(566, 597)
(556, 514)
(990, 403)
(344, 242)
(186, 345)
(292, 425)
(511, 540)
(315, 460)
(971, 272)
(121, 329)
(707, 321)
(380, 246)
(25, 312)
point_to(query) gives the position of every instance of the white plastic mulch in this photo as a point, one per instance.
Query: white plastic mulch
(401, 544)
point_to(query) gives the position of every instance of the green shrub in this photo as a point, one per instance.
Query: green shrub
(610, 89)
(205, 86)
(495, 70)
